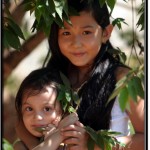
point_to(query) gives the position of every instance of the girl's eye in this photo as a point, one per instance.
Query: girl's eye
(66, 33)
(86, 32)
(47, 109)
(28, 109)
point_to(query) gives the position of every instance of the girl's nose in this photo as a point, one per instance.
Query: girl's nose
(77, 41)
(38, 116)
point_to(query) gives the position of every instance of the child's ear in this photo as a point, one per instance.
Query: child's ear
(107, 33)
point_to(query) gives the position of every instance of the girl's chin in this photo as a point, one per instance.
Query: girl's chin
(38, 134)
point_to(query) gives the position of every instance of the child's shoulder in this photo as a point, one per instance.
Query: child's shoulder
(121, 72)
(19, 145)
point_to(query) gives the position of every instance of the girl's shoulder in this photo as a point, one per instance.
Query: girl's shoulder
(120, 72)
(19, 145)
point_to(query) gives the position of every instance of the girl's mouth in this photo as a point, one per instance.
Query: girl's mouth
(78, 54)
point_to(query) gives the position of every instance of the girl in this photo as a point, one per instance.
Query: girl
(38, 108)
(80, 51)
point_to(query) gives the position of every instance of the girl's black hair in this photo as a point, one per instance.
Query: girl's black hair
(34, 83)
(100, 14)
(94, 95)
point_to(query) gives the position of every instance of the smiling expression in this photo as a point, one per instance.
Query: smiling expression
(40, 110)
(81, 42)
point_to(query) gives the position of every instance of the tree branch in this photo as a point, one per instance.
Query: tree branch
(15, 57)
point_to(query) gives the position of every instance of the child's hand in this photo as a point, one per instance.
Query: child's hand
(68, 120)
(49, 130)
(75, 136)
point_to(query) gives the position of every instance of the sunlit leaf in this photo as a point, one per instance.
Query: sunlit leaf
(123, 98)
(132, 90)
(6, 145)
(138, 86)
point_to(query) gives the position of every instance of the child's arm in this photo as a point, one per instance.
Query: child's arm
(52, 141)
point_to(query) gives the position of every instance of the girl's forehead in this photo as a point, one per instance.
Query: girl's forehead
(85, 18)
(48, 94)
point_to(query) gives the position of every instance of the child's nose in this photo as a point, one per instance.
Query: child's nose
(38, 116)
(77, 41)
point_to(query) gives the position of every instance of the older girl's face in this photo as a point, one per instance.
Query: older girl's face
(41, 110)
(81, 42)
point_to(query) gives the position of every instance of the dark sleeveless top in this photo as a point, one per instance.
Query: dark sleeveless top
(94, 94)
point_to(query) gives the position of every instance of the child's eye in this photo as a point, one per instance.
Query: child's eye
(47, 109)
(66, 33)
(28, 109)
(86, 32)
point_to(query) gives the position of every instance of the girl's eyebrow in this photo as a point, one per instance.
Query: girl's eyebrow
(84, 27)
(88, 26)
(24, 103)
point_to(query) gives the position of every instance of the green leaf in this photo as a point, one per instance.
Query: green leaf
(91, 132)
(65, 80)
(118, 22)
(61, 95)
(102, 2)
(90, 144)
(123, 98)
(68, 96)
(15, 28)
(111, 4)
(40, 129)
(51, 6)
(12, 39)
(7, 145)
(138, 86)
(132, 90)
(100, 141)
(59, 7)
(115, 93)
(71, 109)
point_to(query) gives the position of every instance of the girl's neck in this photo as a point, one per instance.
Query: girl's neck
(79, 75)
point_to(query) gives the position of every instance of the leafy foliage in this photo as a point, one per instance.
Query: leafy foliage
(46, 12)
(103, 138)
(141, 18)
(67, 96)
(7, 145)
(130, 86)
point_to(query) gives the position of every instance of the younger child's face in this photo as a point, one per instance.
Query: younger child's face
(40, 110)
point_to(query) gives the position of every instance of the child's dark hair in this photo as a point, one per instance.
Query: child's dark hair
(35, 83)
(95, 93)
(100, 14)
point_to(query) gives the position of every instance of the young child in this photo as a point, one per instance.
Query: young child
(80, 51)
(37, 106)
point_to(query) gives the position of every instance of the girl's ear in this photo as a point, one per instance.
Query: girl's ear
(107, 33)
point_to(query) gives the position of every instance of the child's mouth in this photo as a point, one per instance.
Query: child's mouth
(40, 128)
